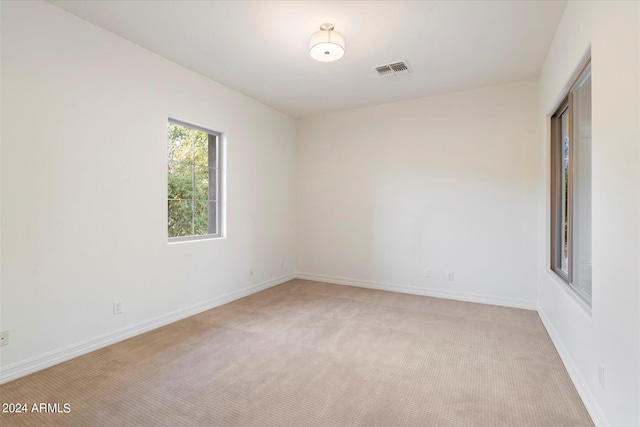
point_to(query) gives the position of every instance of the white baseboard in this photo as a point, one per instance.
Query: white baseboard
(576, 377)
(37, 363)
(437, 293)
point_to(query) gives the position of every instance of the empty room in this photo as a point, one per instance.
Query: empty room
(320, 213)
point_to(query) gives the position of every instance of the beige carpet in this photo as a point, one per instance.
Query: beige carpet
(312, 354)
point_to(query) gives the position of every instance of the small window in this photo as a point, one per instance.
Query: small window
(571, 188)
(194, 184)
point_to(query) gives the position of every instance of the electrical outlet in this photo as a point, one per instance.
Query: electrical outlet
(428, 273)
(601, 375)
(117, 307)
(4, 337)
(251, 272)
(450, 276)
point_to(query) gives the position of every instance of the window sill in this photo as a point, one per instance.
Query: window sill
(584, 306)
(190, 239)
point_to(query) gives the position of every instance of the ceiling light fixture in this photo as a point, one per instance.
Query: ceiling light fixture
(326, 45)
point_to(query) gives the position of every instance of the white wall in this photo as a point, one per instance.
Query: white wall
(445, 183)
(84, 216)
(609, 333)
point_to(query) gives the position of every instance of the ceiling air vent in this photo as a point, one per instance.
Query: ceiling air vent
(384, 71)
(393, 69)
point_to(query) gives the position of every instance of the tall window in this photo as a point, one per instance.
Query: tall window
(194, 182)
(571, 187)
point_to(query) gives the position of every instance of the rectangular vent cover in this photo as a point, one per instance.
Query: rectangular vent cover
(393, 69)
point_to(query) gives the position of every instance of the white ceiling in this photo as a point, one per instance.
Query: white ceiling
(260, 48)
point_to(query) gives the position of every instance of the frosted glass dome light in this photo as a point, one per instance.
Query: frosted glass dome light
(326, 45)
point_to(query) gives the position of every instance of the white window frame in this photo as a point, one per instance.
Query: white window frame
(219, 187)
(566, 107)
